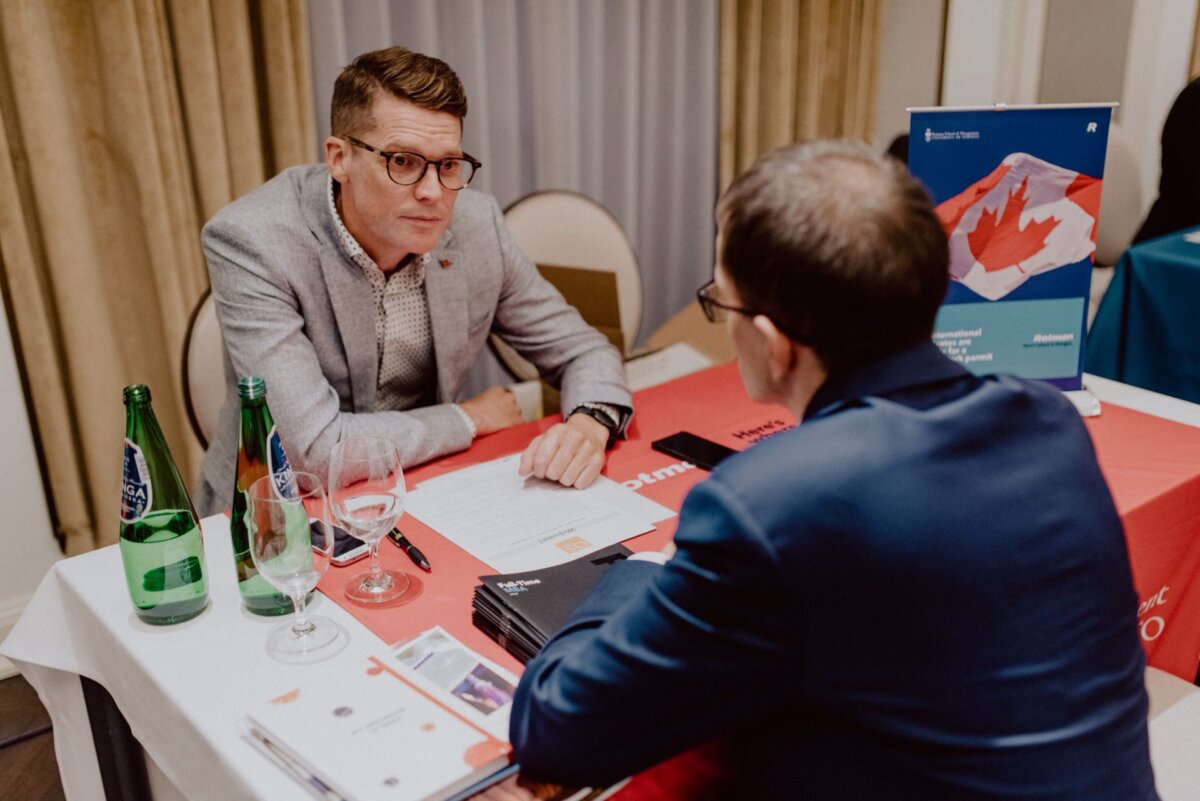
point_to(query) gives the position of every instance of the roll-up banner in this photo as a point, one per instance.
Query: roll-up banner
(1018, 190)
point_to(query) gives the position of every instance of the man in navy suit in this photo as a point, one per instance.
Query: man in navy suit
(921, 592)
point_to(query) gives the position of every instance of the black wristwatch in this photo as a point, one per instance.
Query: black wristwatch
(601, 418)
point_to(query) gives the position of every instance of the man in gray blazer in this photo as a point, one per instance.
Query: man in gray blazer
(363, 290)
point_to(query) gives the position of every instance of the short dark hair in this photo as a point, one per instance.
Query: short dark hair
(421, 80)
(840, 247)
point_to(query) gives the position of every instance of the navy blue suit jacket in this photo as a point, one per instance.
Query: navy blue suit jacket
(921, 592)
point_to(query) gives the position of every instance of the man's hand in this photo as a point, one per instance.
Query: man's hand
(571, 453)
(491, 410)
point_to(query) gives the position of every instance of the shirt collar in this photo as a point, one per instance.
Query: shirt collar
(923, 363)
(355, 252)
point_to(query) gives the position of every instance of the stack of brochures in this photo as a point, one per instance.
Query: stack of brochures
(522, 610)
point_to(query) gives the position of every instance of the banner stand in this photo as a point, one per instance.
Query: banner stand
(1018, 190)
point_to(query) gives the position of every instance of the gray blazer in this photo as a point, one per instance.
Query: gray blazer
(296, 311)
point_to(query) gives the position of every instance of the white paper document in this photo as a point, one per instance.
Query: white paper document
(663, 365)
(513, 523)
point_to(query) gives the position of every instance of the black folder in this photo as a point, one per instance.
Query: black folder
(521, 611)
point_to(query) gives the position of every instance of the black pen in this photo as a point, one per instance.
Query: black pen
(418, 558)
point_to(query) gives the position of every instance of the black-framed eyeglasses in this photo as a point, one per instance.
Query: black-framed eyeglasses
(407, 168)
(717, 312)
(714, 309)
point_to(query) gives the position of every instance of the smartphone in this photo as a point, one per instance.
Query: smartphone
(692, 448)
(346, 548)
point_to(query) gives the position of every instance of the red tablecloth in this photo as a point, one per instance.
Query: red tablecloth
(1152, 466)
(1153, 469)
(712, 402)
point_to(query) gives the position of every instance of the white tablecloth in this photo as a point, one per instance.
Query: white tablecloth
(184, 689)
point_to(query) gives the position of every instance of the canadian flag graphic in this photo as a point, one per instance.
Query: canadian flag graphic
(1027, 217)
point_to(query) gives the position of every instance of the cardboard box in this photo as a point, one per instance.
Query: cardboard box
(691, 326)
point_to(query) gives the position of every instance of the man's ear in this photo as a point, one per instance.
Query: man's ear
(781, 351)
(335, 157)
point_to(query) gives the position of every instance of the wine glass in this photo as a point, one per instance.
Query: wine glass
(291, 542)
(366, 487)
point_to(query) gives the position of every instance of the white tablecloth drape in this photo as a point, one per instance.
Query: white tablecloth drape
(185, 689)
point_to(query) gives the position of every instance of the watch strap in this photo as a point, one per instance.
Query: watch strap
(601, 417)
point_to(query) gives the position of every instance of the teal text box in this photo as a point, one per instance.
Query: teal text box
(1028, 338)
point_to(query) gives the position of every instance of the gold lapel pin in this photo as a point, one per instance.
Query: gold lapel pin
(445, 263)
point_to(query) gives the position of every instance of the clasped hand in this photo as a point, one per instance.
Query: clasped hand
(571, 453)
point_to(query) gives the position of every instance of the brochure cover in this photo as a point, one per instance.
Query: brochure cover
(475, 688)
(1018, 190)
(522, 610)
(374, 737)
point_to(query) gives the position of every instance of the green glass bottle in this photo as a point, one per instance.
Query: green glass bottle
(260, 452)
(160, 542)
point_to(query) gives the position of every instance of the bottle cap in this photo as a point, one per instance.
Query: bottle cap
(252, 388)
(136, 393)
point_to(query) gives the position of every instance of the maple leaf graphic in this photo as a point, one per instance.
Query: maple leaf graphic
(1003, 243)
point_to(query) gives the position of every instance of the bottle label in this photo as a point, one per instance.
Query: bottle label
(281, 472)
(136, 492)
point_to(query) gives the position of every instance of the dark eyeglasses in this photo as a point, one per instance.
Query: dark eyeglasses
(717, 312)
(714, 309)
(406, 168)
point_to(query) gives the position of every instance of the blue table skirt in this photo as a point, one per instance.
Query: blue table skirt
(1147, 330)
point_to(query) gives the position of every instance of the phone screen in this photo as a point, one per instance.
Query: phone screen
(344, 543)
(693, 448)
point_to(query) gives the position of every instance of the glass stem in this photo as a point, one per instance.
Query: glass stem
(301, 625)
(376, 568)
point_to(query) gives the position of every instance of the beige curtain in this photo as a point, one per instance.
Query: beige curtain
(1194, 72)
(125, 125)
(792, 70)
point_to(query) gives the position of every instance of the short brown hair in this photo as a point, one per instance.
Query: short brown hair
(840, 247)
(421, 80)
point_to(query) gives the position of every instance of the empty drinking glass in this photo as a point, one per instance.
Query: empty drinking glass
(291, 542)
(366, 486)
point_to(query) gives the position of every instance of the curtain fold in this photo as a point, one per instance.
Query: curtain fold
(792, 70)
(1194, 72)
(126, 124)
